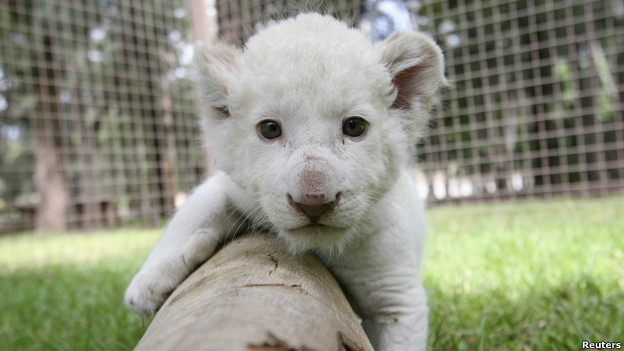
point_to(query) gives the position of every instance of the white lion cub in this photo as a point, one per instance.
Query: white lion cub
(312, 127)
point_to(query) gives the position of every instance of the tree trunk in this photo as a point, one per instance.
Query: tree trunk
(201, 31)
(254, 295)
(50, 178)
(51, 213)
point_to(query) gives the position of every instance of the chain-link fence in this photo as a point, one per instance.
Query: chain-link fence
(97, 116)
(98, 120)
(536, 106)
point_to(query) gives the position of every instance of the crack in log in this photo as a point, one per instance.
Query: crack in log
(296, 286)
(348, 344)
(275, 344)
(274, 260)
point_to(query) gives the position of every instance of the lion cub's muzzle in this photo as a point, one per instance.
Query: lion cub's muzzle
(313, 206)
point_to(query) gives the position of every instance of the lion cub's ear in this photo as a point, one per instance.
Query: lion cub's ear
(416, 65)
(217, 65)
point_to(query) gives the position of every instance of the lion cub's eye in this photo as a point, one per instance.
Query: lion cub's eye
(269, 129)
(354, 126)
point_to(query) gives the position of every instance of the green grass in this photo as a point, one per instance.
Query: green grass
(530, 275)
(65, 292)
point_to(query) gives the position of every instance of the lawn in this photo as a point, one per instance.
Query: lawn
(65, 292)
(529, 275)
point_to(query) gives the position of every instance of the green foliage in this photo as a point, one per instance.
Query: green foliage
(568, 91)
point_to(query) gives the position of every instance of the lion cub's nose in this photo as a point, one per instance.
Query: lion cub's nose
(313, 206)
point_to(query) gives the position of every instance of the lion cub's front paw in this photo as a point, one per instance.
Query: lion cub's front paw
(146, 293)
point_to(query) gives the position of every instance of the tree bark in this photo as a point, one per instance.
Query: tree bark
(201, 31)
(254, 295)
(50, 177)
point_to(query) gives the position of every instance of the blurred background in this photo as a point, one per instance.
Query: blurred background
(523, 170)
(98, 113)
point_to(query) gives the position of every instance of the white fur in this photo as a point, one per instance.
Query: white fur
(310, 74)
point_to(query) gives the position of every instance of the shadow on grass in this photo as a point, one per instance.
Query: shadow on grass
(560, 318)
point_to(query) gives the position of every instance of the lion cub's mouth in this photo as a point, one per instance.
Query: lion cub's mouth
(316, 228)
(313, 226)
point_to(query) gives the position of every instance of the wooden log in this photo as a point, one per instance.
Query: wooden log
(254, 295)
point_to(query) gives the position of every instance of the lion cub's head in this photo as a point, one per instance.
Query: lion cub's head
(314, 122)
